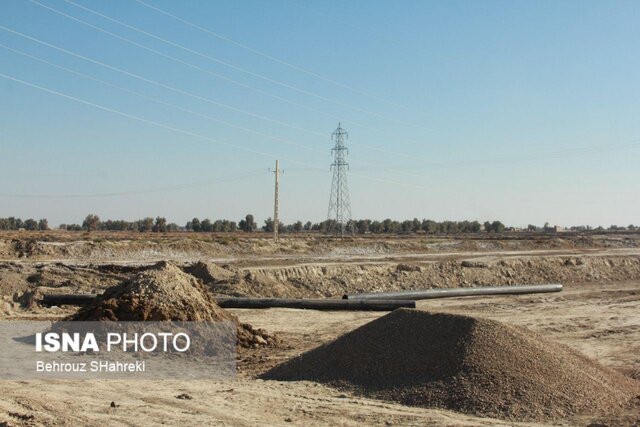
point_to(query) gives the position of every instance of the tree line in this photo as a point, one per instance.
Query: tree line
(93, 222)
(12, 223)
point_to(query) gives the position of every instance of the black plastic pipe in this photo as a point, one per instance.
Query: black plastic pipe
(314, 304)
(67, 299)
(454, 292)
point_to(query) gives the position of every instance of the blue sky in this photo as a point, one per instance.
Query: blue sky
(521, 111)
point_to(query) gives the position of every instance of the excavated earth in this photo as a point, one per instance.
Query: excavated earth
(596, 315)
(164, 292)
(21, 284)
(472, 365)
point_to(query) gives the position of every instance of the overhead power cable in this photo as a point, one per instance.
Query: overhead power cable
(151, 122)
(186, 110)
(196, 96)
(199, 97)
(197, 184)
(159, 101)
(405, 170)
(341, 21)
(162, 85)
(238, 83)
(195, 135)
(525, 157)
(211, 58)
(273, 58)
(192, 134)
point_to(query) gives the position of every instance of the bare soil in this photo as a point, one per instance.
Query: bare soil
(597, 314)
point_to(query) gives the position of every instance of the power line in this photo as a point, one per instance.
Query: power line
(192, 134)
(174, 89)
(526, 157)
(273, 58)
(190, 94)
(182, 92)
(340, 21)
(159, 84)
(375, 148)
(147, 121)
(402, 169)
(225, 78)
(157, 100)
(161, 125)
(135, 192)
(211, 58)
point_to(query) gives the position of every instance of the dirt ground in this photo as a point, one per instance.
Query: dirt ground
(598, 314)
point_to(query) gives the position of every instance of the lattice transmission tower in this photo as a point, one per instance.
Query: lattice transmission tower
(339, 205)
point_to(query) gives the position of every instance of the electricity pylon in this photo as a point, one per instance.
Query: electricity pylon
(339, 205)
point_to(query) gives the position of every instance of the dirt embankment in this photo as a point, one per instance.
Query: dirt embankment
(335, 280)
(144, 247)
(20, 283)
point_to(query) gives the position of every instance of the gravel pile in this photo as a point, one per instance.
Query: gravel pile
(165, 293)
(471, 365)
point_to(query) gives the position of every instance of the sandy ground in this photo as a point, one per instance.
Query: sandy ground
(598, 318)
(600, 321)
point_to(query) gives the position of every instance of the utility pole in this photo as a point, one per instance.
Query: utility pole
(276, 221)
(339, 205)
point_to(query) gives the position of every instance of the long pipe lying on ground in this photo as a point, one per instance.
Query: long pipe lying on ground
(453, 292)
(314, 304)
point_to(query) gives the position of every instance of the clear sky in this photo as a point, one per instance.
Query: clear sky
(523, 111)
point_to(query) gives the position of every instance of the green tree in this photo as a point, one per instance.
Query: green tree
(429, 226)
(91, 222)
(145, 225)
(248, 224)
(160, 225)
(31, 224)
(206, 225)
(497, 227)
(43, 224)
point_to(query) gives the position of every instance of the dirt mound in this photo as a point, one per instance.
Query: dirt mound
(164, 292)
(466, 364)
(209, 273)
(220, 280)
